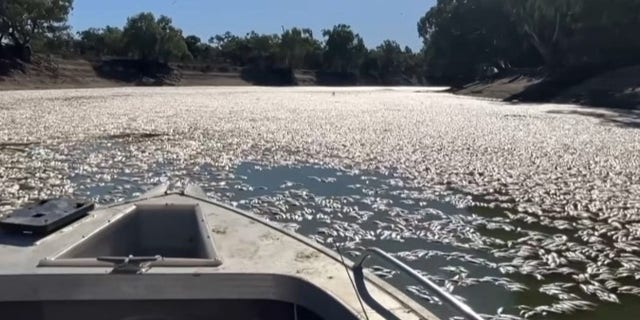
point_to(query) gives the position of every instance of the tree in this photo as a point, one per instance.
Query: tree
(100, 42)
(146, 38)
(140, 36)
(369, 68)
(91, 40)
(298, 48)
(572, 39)
(344, 49)
(251, 48)
(196, 48)
(389, 64)
(580, 32)
(391, 59)
(4, 26)
(605, 33)
(465, 39)
(23, 20)
(61, 43)
(113, 41)
(262, 46)
(413, 66)
(231, 48)
(171, 43)
(546, 23)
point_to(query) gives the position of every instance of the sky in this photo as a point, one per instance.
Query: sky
(374, 20)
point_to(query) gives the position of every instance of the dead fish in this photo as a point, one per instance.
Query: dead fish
(424, 294)
(381, 272)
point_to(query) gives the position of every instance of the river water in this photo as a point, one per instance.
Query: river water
(523, 211)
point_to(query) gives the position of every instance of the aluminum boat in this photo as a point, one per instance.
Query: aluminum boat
(179, 255)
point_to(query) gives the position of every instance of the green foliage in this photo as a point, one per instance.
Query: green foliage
(545, 23)
(391, 58)
(252, 47)
(388, 63)
(608, 33)
(466, 38)
(469, 38)
(60, 43)
(575, 32)
(146, 38)
(100, 42)
(232, 48)
(344, 49)
(463, 40)
(141, 36)
(156, 39)
(299, 49)
(262, 46)
(197, 49)
(23, 20)
(295, 47)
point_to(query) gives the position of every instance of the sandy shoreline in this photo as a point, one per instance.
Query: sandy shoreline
(618, 89)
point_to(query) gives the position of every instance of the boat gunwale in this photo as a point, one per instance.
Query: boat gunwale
(405, 303)
(173, 286)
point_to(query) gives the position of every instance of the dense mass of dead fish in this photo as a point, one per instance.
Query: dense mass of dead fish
(567, 188)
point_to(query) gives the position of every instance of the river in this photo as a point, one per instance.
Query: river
(521, 210)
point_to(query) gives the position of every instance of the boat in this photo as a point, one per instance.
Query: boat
(180, 255)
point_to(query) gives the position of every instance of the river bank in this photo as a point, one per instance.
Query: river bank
(57, 73)
(619, 89)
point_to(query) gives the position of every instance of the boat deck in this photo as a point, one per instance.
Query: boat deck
(245, 243)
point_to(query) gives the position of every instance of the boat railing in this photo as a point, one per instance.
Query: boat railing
(467, 311)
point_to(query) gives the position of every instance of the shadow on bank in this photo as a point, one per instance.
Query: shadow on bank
(621, 118)
(138, 72)
(11, 59)
(554, 85)
(596, 86)
(9, 66)
(266, 73)
(153, 73)
(612, 97)
(285, 76)
(263, 75)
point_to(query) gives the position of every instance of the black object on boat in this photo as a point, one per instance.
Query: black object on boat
(46, 216)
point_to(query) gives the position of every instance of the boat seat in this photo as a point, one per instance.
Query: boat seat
(178, 234)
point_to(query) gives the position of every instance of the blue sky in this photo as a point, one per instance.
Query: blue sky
(375, 20)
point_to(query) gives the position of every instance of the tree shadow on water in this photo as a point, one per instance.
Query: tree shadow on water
(622, 118)
(612, 97)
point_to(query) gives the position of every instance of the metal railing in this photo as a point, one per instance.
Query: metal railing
(444, 295)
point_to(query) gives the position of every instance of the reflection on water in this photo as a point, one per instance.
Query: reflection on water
(502, 267)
